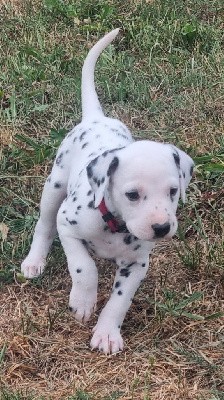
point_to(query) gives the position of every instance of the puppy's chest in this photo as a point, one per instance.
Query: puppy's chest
(113, 245)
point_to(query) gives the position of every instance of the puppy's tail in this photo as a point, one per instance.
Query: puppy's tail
(91, 107)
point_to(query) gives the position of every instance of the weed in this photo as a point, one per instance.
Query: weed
(176, 307)
(80, 395)
(2, 353)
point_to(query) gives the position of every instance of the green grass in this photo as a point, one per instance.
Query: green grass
(163, 76)
(5, 395)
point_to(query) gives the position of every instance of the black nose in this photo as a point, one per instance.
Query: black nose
(161, 229)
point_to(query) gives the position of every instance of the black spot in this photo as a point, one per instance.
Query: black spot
(143, 265)
(89, 171)
(137, 247)
(128, 239)
(191, 170)
(145, 198)
(102, 180)
(82, 135)
(105, 153)
(95, 122)
(92, 154)
(72, 222)
(119, 327)
(89, 193)
(84, 242)
(130, 265)
(124, 272)
(123, 228)
(79, 207)
(59, 158)
(64, 212)
(74, 140)
(111, 151)
(57, 185)
(117, 284)
(176, 159)
(96, 181)
(90, 167)
(123, 136)
(49, 179)
(184, 175)
(78, 270)
(84, 145)
(74, 198)
(67, 151)
(91, 204)
(119, 292)
(113, 166)
(70, 308)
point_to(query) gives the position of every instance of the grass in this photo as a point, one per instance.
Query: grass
(164, 78)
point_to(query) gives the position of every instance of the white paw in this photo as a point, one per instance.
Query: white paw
(82, 303)
(32, 268)
(107, 340)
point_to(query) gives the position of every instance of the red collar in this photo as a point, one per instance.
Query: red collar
(108, 217)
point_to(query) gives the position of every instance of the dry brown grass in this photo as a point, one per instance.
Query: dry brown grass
(165, 357)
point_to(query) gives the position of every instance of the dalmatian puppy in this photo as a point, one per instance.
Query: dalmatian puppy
(110, 196)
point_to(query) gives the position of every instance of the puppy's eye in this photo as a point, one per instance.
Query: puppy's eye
(173, 192)
(132, 196)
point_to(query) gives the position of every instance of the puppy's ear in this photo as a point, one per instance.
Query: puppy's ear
(185, 165)
(99, 172)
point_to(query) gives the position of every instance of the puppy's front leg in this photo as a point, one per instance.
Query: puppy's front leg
(107, 337)
(84, 276)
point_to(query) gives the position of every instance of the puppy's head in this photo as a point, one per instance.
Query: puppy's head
(145, 181)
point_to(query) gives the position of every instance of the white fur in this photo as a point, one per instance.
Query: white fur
(99, 159)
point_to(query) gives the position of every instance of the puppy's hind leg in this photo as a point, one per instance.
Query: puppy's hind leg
(53, 194)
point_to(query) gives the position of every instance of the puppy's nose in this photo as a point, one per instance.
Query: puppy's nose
(161, 229)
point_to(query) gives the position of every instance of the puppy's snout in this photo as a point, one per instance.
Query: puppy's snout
(161, 229)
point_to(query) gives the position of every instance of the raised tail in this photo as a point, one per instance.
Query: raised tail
(91, 107)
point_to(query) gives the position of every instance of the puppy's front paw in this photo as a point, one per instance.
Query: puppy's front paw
(31, 268)
(82, 303)
(107, 340)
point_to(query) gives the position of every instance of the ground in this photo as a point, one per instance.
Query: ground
(163, 77)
